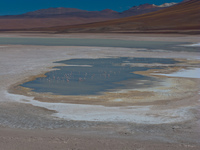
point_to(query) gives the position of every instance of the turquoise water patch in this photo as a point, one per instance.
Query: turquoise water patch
(94, 76)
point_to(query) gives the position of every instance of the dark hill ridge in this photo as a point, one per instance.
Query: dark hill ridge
(53, 11)
(183, 16)
(62, 12)
(68, 16)
(108, 11)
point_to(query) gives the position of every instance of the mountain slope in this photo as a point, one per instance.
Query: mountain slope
(183, 16)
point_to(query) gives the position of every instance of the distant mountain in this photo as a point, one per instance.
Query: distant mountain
(167, 4)
(62, 12)
(54, 11)
(181, 17)
(141, 9)
(107, 13)
(69, 16)
(54, 17)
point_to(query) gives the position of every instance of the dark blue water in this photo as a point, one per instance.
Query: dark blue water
(97, 76)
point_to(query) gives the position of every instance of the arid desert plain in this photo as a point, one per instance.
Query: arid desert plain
(160, 110)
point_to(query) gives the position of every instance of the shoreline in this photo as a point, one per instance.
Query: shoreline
(106, 98)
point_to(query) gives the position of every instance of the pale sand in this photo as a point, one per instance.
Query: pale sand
(189, 73)
(18, 63)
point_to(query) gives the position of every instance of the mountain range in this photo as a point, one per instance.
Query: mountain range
(180, 18)
(71, 16)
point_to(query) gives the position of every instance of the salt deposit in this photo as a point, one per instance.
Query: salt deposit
(195, 45)
(134, 114)
(185, 73)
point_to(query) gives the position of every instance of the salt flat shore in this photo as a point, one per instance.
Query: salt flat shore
(167, 120)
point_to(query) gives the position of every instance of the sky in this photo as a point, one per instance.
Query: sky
(12, 7)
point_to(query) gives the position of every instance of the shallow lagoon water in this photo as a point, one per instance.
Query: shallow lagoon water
(150, 45)
(94, 76)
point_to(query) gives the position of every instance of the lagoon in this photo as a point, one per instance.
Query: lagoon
(95, 76)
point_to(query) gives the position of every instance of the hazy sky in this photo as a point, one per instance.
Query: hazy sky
(9, 7)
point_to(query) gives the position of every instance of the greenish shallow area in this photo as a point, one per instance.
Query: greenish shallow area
(175, 46)
(94, 76)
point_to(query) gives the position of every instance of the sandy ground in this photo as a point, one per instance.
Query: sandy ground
(169, 121)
